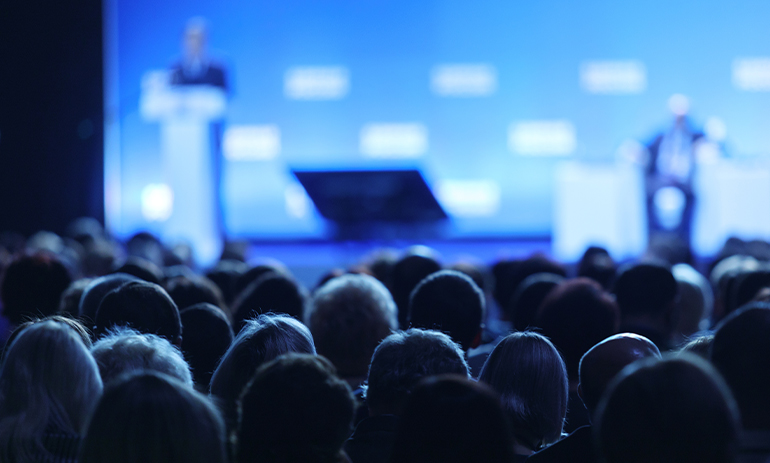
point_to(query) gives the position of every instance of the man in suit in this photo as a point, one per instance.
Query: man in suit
(196, 67)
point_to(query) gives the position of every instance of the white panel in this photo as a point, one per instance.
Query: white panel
(542, 138)
(316, 83)
(393, 140)
(752, 74)
(613, 77)
(463, 80)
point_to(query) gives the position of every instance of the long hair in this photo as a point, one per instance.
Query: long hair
(49, 383)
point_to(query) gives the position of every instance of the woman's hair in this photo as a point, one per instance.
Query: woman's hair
(149, 417)
(49, 383)
(530, 376)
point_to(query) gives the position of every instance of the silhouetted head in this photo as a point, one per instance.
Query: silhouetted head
(608, 358)
(450, 302)
(528, 297)
(207, 336)
(187, 292)
(696, 301)
(32, 286)
(271, 293)
(510, 273)
(70, 299)
(406, 274)
(224, 275)
(98, 288)
(142, 269)
(597, 264)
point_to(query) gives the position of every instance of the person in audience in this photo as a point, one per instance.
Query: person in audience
(450, 419)
(348, 317)
(224, 274)
(741, 352)
(672, 410)
(597, 369)
(295, 409)
(406, 274)
(696, 302)
(700, 346)
(143, 306)
(32, 286)
(509, 274)
(646, 294)
(49, 384)
(76, 326)
(260, 341)
(272, 292)
(70, 298)
(207, 336)
(94, 293)
(529, 374)
(398, 364)
(597, 264)
(188, 291)
(450, 302)
(149, 417)
(143, 269)
(252, 274)
(575, 316)
(123, 350)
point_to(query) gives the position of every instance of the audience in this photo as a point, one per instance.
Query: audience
(207, 336)
(188, 291)
(272, 292)
(406, 274)
(96, 290)
(148, 417)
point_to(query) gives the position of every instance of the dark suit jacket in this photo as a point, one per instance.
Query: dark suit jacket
(213, 74)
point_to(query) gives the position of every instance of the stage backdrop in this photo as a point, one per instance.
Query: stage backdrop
(484, 97)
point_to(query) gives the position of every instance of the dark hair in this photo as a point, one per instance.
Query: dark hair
(260, 341)
(207, 336)
(76, 326)
(272, 292)
(295, 409)
(187, 292)
(403, 359)
(252, 274)
(143, 269)
(741, 352)
(70, 299)
(671, 410)
(597, 264)
(406, 274)
(32, 286)
(152, 418)
(529, 295)
(645, 288)
(448, 301)
(699, 345)
(510, 273)
(576, 315)
(530, 376)
(224, 275)
(145, 307)
(94, 293)
(746, 286)
(453, 420)
(348, 317)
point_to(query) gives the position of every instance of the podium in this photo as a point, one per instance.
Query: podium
(187, 116)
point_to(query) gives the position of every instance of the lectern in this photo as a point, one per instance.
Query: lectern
(187, 115)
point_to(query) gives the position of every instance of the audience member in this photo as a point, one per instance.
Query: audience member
(143, 306)
(597, 264)
(529, 374)
(510, 273)
(148, 417)
(207, 336)
(528, 297)
(143, 269)
(224, 275)
(646, 294)
(260, 341)
(252, 274)
(295, 409)
(672, 410)
(70, 299)
(410, 270)
(699, 345)
(187, 292)
(398, 364)
(696, 302)
(49, 384)
(123, 350)
(76, 326)
(450, 302)
(348, 317)
(270, 293)
(450, 419)
(597, 369)
(94, 293)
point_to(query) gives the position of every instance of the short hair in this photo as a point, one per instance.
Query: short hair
(32, 286)
(224, 275)
(528, 297)
(49, 384)
(187, 292)
(405, 275)
(153, 418)
(94, 293)
(699, 345)
(207, 336)
(143, 269)
(597, 264)
(295, 409)
(124, 350)
(70, 298)
(448, 301)
(645, 289)
(272, 292)
(575, 316)
(510, 273)
(529, 374)
(249, 275)
(260, 341)
(608, 358)
(696, 301)
(741, 353)
(348, 317)
(452, 419)
(672, 410)
(145, 307)
(403, 359)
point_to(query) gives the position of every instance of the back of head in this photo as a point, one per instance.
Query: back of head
(405, 275)
(143, 269)
(186, 292)
(645, 289)
(272, 292)
(452, 419)
(145, 307)
(608, 358)
(348, 317)
(448, 301)
(70, 299)
(576, 315)
(696, 301)
(741, 352)
(597, 264)
(747, 285)
(529, 296)
(402, 360)
(32, 286)
(124, 350)
(529, 374)
(259, 342)
(510, 273)
(671, 410)
(224, 275)
(49, 384)
(77, 327)
(295, 409)
(152, 418)
(98, 288)
(207, 336)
